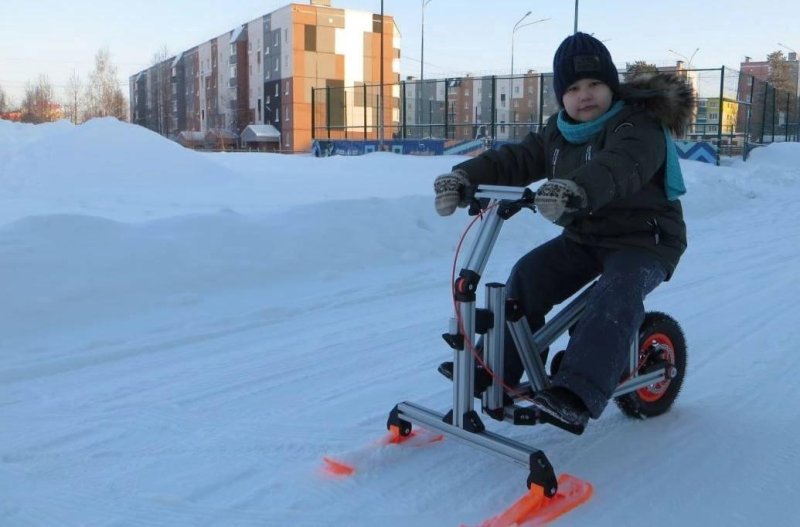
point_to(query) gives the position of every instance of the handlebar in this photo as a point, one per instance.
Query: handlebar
(512, 199)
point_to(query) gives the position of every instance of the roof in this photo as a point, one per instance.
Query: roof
(178, 58)
(237, 34)
(261, 133)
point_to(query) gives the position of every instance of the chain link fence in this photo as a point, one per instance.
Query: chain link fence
(734, 112)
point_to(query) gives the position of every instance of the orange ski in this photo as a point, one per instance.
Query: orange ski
(347, 464)
(534, 509)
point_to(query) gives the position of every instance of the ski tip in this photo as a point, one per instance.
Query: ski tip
(337, 468)
(535, 509)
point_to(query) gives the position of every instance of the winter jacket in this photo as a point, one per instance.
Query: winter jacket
(622, 170)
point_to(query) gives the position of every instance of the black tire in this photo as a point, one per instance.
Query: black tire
(650, 402)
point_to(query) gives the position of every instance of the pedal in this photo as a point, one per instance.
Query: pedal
(544, 417)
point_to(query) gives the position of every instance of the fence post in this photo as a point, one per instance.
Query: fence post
(365, 112)
(403, 102)
(313, 115)
(721, 109)
(788, 108)
(446, 109)
(328, 109)
(774, 107)
(344, 111)
(430, 119)
(541, 101)
(764, 112)
(494, 106)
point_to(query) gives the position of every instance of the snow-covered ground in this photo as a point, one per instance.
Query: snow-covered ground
(184, 336)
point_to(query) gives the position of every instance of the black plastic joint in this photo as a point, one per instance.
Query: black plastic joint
(403, 426)
(472, 421)
(466, 286)
(484, 321)
(514, 310)
(525, 417)
(454, 341)
(542, 474)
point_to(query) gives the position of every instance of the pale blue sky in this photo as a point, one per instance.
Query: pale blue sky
(53, 37)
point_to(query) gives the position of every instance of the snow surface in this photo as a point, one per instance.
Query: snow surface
(186, 335)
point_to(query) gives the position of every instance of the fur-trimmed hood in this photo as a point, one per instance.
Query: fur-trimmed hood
(665, 96)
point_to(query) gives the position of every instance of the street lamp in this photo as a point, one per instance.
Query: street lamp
(576, 16)
(422, 51)
(688, 60)
(517, 26)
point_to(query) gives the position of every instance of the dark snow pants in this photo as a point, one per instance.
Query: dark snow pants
(598, 351)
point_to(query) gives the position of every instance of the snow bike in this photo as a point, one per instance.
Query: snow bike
(655, 374)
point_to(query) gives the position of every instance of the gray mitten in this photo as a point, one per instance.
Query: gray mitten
(452, 190)
(559, 199)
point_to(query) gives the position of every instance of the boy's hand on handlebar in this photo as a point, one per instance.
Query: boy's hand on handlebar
(453, 190)
(559, 199)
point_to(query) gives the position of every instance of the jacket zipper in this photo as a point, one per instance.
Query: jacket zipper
(656, 230)
(555, 161)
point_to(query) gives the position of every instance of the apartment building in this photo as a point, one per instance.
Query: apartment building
(466, 107)
(263, 73)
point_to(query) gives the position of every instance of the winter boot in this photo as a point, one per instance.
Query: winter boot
(562, 405)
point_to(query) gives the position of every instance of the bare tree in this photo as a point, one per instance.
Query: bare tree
(38, 105)
(4, 101)
(103, 91)
(73, 104)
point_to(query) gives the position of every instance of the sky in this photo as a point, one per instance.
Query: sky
(56, 37)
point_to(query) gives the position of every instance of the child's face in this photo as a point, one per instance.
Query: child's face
(587, 99)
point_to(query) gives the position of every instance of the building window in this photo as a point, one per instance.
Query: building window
(268, 99)
(275, 40)
(466, 93)
(277, 115)
(712, 104)
(251, 69)
(266, 51)
(277, 62)
(713, 116)
(287, 88)
(516, 89)
(233, 72)
(249, 45)
(286, 35)
(277, 89)
(286, 111)
(286, 61)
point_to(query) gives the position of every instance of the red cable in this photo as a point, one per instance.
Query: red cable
(461, 329)
(472, 349)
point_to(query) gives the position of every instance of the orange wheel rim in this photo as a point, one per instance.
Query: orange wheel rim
(654, 392)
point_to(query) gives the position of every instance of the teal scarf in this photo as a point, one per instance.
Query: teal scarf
(581, 133)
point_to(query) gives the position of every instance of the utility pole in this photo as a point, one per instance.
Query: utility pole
(380, 97)
(422, 50)
(576, 16)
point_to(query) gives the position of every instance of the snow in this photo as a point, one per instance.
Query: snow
(186, 335)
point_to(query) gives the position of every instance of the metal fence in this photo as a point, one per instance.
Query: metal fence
(734, 111)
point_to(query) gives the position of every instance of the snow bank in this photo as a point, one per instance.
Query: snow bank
(128, 215)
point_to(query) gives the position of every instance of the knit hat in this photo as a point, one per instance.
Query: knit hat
(582, 56)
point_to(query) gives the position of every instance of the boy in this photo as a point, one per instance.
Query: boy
(613, 183)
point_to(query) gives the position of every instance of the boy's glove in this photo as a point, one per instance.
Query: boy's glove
(452, 190)
(559, 199)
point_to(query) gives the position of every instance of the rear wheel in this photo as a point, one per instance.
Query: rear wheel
(662, 339)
